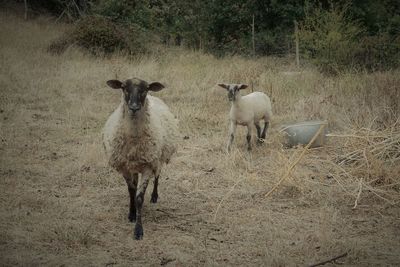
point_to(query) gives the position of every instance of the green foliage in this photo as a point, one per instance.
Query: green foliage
(356, 34)
(330, 38)
(272, 42)
(379, 52)
(377, 16)
(274, 25)
(334, 41)
(66, 9)
(100, 35)
(126, 11)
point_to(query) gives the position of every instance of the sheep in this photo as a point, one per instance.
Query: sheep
(138, 138)
(247, 110)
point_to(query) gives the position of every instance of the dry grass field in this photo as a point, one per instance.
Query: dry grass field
(61, 205)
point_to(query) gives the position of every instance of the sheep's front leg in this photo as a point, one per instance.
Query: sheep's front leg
(248, 136)
(232, 129)
(144, 182)
(132, 181)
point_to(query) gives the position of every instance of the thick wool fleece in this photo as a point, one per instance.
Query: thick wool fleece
(251, 108)
(145, 141)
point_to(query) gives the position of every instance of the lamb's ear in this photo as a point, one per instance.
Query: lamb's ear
(155, 87)
(225, 86)
(115, 84)
(242, 86)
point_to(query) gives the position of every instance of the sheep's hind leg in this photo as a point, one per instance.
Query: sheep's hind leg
(264, 132)
(132, 185)
(154, 195)
(144, 182)
(259, 140)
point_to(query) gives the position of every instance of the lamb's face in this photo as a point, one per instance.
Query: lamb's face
(232, 89)
(135, 92)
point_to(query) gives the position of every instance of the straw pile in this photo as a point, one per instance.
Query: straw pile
(363, 163)
(371, 159)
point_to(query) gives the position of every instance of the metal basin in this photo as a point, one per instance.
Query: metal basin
(302, 133)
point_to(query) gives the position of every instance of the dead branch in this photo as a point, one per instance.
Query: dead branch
(330, 260)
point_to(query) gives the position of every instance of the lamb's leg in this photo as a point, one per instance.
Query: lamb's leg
(232, 129)
(259, 140)
(248, 137)
(264, 132)
(257, 124)
(154, 195)
(132, 181)
(144, 182)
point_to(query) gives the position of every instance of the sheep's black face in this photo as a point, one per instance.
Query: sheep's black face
(135, 92)
(232, 89)
(135, 95)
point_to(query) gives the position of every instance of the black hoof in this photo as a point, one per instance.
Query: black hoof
(138, 232)
(260, 141)
(132, 216)
(154, 198)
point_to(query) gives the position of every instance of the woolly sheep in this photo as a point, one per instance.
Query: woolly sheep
(138, 138)
(247, 110)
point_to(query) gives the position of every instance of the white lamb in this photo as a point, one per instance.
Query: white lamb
(139, 137)
(247, 110)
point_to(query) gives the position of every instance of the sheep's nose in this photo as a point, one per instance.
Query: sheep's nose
(134, 107)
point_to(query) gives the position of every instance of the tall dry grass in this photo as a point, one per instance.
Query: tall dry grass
(61, 203)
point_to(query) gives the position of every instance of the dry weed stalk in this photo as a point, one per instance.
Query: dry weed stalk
(289, 171)
(226, 196)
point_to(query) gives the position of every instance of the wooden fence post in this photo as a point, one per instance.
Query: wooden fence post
(26, 9)
(296, 33)
(252, 38)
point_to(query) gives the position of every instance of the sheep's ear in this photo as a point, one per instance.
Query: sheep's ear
(225, 86)
(155, 87)
(242, 86)
(115, 84)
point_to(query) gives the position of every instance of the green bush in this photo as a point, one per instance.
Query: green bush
(379, 52)
(335, 43)
(100, 35)
(330, 39)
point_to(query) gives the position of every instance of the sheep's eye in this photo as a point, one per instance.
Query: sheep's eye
(126, 94)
